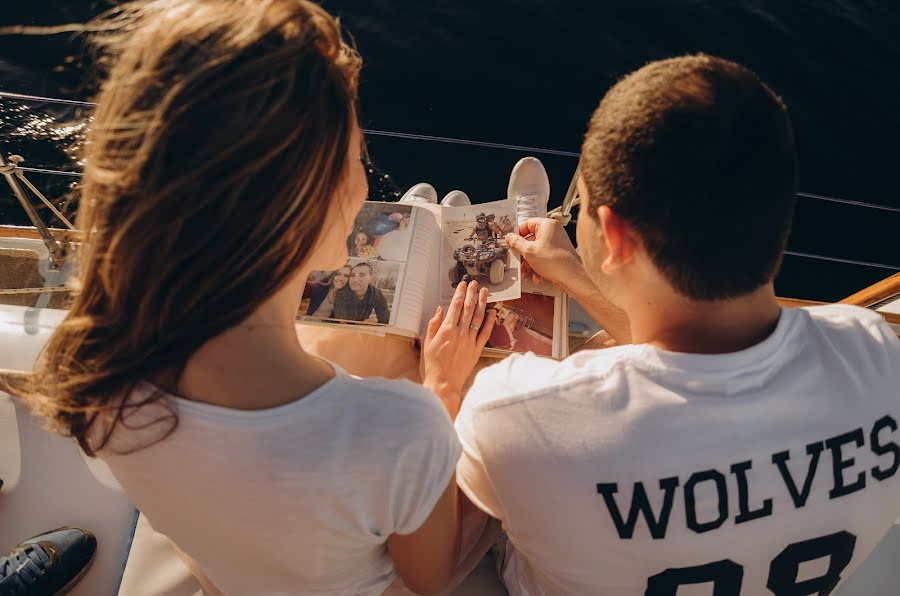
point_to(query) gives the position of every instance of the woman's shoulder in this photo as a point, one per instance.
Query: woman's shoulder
(397, 399)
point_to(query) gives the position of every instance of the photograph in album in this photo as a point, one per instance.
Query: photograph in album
(475, 249)
(359, 292)
(524, 325)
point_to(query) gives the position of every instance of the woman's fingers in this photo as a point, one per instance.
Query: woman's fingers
(478, 315)
(469, 307)
(456, 305)
(434, 324)
(485, 333)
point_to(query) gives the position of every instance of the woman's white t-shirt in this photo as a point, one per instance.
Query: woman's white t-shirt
(294, 499)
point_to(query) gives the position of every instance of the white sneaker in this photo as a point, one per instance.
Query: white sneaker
(456, 198)
(420, 193)
(530, 186)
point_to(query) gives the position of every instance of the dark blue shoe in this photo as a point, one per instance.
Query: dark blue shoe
(48, 564)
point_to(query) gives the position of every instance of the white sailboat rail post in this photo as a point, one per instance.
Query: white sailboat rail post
(563, 213)
(9, 169)
(21, 175)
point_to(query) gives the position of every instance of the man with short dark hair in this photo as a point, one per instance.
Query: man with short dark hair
(735, 444)
(359, 299)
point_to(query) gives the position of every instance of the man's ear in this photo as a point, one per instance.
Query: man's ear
(619, 237)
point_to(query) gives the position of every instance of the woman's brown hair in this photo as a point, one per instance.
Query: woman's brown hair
(219, 140)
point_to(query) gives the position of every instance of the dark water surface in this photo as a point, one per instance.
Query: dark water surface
(529, 72)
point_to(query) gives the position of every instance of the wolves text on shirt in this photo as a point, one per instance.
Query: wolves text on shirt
(840, 451)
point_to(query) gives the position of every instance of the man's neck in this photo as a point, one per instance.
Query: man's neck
(672, 322)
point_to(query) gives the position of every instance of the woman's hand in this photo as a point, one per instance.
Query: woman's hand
(453, 343)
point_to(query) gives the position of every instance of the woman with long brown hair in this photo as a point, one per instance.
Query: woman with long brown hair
(225, 133)
(321, 299)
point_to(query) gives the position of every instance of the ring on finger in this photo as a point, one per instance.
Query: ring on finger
(474, 327)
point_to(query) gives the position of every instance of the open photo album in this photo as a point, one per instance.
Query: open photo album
(407, 258)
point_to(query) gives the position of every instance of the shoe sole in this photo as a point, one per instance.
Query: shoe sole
(429, 189)
(74, 581)
(71, 585)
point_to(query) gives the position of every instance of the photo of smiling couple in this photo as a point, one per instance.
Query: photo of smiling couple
(358, 291)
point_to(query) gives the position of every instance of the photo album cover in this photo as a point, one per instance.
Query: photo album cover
(405, 259)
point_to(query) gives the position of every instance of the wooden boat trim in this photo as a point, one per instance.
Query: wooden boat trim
(797, 302)
(877, 292)
(32, 233)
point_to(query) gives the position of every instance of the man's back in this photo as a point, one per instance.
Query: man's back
(634, 470)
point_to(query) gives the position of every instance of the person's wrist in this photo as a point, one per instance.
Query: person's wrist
(447, 392)
(578, 285)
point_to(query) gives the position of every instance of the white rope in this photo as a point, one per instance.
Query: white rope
(563, 213)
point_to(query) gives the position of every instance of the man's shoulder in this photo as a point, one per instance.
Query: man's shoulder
(525, 377)
(843, 315)
(841, 323)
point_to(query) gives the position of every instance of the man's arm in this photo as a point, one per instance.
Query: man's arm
(553, 258)
(380, 305)
(340, 310)
(606, 314)
(316, 297)
(599, 341)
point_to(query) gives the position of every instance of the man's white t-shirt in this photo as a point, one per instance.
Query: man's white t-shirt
(633, 471)
(297, 499)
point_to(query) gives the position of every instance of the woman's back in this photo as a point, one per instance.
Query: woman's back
(300, 496)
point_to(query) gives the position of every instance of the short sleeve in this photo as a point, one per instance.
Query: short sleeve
(885, 335)
(888, 345)
(471, 472)
(424, 467)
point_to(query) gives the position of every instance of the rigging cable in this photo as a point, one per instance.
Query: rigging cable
(492, 145)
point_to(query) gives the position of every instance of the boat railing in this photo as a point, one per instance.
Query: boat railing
(15, 175)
